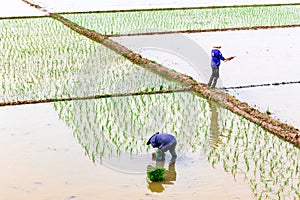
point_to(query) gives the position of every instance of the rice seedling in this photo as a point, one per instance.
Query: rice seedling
(134, 124)
(255, 160)
(156, 174)
(186, 19)
(41, 62)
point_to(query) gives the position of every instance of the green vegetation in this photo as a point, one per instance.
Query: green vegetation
(106, 128)
(156, 174)
(41, 58)
(122, 124)
(187, 19)
(269, 165)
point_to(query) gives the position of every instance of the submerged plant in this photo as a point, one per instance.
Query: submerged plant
(156, 174)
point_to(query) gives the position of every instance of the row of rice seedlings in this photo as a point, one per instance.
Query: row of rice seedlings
(268, 164)
(124, 124)
(187, 19)
(107, 127)
(41, 58)
(278, 175)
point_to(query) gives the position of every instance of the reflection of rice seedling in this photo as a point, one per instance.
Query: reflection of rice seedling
(271, 170)
(156, 174)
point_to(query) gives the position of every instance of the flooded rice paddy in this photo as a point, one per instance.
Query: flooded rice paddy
(186, 19)
(95, 149)
(262, 56)
(63, 150)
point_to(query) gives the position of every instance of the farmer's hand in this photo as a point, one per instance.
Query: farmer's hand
(230, 58)
(163, 149)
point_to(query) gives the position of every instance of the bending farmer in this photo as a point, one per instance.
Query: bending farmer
(164, 142)
(216, 57)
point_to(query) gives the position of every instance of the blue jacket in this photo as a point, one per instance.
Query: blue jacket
(161, 140)
(216, 57)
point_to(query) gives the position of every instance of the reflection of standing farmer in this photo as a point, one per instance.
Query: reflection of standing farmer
(164, 142)
(216, 57)
(214, 124)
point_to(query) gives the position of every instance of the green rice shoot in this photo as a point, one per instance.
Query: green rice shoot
(156, 174)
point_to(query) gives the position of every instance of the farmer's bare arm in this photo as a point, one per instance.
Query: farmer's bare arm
(230, 58)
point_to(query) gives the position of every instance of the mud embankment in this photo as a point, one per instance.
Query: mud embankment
(101, 96)
(261, 85)
(206, 30)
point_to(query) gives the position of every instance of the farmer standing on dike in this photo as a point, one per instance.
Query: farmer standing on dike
(164, 142)
(216, 57)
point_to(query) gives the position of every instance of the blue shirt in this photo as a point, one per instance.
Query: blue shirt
(216, 57)
(162, 140)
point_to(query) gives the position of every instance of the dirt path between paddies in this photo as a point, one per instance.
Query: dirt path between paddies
(205, 30)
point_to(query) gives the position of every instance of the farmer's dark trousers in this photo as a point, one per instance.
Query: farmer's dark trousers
(214, 77)
(160, 154)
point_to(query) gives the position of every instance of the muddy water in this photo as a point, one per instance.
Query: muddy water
(42, 160)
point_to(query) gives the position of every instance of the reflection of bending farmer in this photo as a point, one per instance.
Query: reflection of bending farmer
(169, 177)
(164, 142)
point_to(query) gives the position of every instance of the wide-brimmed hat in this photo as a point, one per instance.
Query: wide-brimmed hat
(217, 44)
(151, 137)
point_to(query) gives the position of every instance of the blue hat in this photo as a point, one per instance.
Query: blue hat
(151, 137)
